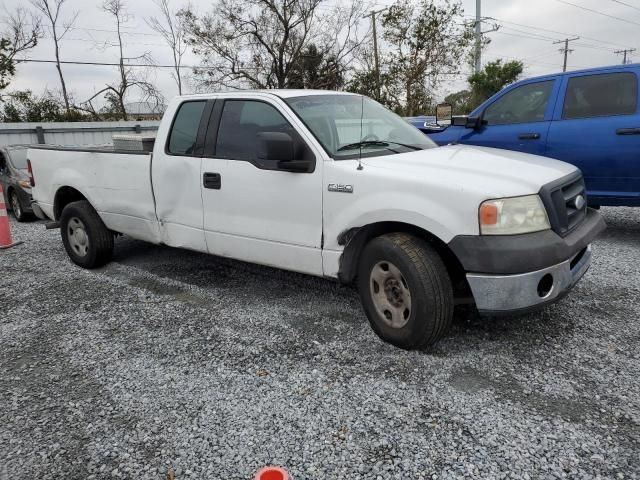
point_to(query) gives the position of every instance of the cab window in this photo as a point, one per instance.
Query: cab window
(601, 95)
(184, 131)
(523, 104)
(240, 124)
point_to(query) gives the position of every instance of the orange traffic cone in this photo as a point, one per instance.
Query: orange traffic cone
(5, 228)
(272, 473)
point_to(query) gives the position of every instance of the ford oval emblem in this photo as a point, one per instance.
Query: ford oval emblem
(579, 202)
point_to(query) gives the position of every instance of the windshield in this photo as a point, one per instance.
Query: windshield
(346, 125)
(18, 158)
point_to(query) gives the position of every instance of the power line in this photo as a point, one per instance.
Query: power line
(114, 64)
(108, 64)
(564, 34)
(599, 12)
(626, 4)
(101, 30)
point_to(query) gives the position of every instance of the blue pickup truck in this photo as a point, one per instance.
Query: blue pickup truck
(588, 118)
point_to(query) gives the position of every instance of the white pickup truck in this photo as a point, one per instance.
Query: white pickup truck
(333, 185)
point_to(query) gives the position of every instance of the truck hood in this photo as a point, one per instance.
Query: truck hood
(499, 172)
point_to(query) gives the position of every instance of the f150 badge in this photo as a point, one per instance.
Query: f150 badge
(339, 187)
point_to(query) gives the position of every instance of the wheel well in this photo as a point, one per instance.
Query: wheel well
(355, 240)
(8, 193)
(64, 196)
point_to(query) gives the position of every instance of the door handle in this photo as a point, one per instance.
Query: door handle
(529, 136)
(212, 180)
(628, 131)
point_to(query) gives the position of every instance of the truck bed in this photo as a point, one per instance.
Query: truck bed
(117, 183)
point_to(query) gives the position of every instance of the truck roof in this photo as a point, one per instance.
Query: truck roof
(630, 66)
(278, 92)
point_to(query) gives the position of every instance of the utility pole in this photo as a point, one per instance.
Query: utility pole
(376, 59)
(566, 50)
(478, 63)
(624, 53)
(478, 33)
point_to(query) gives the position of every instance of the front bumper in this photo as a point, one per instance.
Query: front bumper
(519, 293)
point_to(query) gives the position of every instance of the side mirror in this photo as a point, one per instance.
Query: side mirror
(279, 147)
(465, 121)
(444, 112)
(276, 146)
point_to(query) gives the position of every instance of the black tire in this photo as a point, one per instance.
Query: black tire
(17, 208)
(98, 245)
(425, 278)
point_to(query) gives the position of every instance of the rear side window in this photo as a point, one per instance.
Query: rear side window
(18, 157)
(241, 122)
(184, 131)
(523, 104)
(601, 95)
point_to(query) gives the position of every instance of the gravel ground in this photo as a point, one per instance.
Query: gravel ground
(173, 361)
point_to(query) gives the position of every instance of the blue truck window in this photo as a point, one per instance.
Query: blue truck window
(601, 95)
(523, 104)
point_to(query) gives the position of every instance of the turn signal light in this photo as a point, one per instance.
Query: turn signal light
(488, 214)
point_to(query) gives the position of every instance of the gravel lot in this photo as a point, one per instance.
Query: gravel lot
(167, 360)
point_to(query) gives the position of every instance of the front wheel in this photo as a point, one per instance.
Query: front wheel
(405, 290)
(87, 240)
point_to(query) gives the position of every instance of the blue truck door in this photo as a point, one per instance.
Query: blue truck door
(596, 126)
(518, 119)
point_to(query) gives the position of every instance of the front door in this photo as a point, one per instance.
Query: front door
(254, 210)
(517, 120)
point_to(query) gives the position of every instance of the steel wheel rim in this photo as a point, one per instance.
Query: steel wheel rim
(77, 235)
(15, 205)
(390, 294)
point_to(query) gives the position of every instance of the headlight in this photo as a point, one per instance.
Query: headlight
(24, 183)
(510, 216)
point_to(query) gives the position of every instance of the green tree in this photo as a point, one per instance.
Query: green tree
(493, 78)
(459, 101)
(482, 85)
(24, 106)
(7, 66)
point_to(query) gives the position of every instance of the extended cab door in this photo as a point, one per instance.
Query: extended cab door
(518, 118)
(176, 175)
(596, 127)
(256, 209)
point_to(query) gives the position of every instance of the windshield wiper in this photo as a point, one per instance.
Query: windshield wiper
(368, 143)
(377, 143)
(406, 145)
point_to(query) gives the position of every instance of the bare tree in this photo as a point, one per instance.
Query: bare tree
(129, 79)
(261, 43)
(22, 32)
(52, 9)
(171, 27)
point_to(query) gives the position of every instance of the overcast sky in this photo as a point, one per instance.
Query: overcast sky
(527, 31)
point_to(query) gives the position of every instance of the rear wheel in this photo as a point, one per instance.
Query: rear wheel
(17, 209)
(87, 240)
(405, 290)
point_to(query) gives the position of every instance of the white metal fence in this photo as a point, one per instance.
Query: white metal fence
(70, 133)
